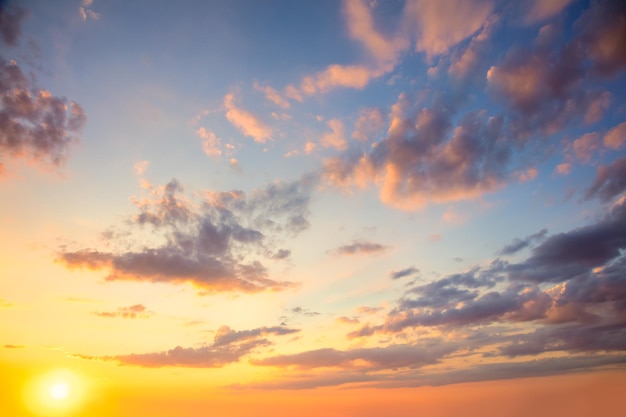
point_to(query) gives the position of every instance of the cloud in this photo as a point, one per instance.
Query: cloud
(585, 146)
(465, 62)
(362, 28)
(86, 12)
(141, 167)
(404, 273)
(211, 145)
(11, 24)
(359, 247)
(336, 138)
(569, 293)
(394, 356)
(228, 347)
(131, 312)
(35, 126)
(247, 123)
(422, 159)
(564, 168)
(14, 346)
(610, 181)
(216, 243)
(4, 303)
(368, 125)
(539, 10)
(518, 244)
(272, 95)
(442, 24)
(603, 36)
(383, 53)
(615, 138)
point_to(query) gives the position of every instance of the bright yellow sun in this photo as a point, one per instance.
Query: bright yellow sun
(59, 390)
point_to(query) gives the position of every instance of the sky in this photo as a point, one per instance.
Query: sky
(347, 208)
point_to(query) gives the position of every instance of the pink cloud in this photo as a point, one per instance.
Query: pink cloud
(585, 146)
(615, 138)
(564, 168)
(141, 167)
(369, 123)
(539, 10)
(210, 142)
(336, 137)
(247, 123)
(271, 94)
(439, 25)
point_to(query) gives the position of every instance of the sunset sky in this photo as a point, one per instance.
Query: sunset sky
(351, 208)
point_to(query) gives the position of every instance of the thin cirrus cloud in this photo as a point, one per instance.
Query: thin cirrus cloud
(216, 244)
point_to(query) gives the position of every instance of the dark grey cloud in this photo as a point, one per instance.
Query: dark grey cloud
(229, 346)
(216, 244)
(358, 247)
(518, 244)
(404, 272)
(130, 312)
(610, 181)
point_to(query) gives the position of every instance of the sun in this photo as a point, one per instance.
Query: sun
(57, 393)
(59, 390)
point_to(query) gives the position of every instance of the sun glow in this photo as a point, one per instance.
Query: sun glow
(56, 394)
